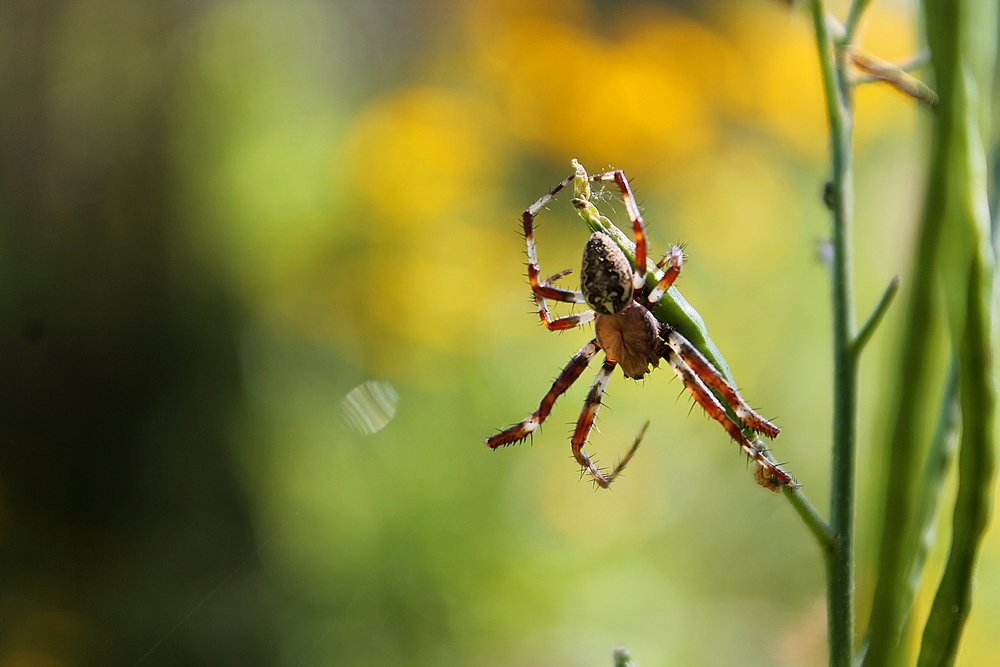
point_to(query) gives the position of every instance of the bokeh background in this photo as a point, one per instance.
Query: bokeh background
(217, 219)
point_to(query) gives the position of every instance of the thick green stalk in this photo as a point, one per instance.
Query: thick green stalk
(962, 39)
(954, 245)
(923, 529)
(914, 387)
(840, 559)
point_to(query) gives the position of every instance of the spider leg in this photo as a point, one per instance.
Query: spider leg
(556, 276)
(543, 289)
(564, 381)
(586, 422)
(696, 361)
(539, 287)
(638, 226)
(675, 259)
(711, 405)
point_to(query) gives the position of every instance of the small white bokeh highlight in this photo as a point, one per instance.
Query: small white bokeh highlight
(370, 406)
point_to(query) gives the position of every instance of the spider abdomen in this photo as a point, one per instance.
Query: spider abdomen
(631, 338)
(606, 275)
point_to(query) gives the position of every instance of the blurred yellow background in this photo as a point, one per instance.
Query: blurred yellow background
(220, 218)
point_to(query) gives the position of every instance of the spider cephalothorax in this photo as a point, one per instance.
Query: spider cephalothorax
(626, 331)
(605, 275)
(629, 335)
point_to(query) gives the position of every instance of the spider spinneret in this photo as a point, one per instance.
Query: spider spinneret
(629, 335)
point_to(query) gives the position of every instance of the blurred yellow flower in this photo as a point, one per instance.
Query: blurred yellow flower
(619, 95)
(781, 89)
(888, 32)
(421, 193)
(418, 156)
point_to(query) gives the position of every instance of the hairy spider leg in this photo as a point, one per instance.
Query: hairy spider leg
(638, 226)
(542, 289)
(697, 362)
(538, 286)
(564, 381)
(556, 276)
(675, 257)
(711, 405)
(586, 422)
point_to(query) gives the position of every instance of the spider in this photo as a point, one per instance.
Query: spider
(629, 335)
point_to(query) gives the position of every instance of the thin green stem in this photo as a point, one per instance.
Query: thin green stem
(853, 19)
(814, 522)
(868, 328)
(840, 561)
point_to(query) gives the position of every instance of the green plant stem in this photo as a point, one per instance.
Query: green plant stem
(840, 560)
(962, 39)
(938, 462)
(814, 522)
(953, 246)
(868, 328)
(973, 506)
(853, 19)
(914, 387)
(920, 538)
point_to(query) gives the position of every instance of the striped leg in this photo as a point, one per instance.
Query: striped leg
(711, 405)
(638, 226)
(694, 360)
(567, 377)
(586, 422)
(675, 258)
(543, 289)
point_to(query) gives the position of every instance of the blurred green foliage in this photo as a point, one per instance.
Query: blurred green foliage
(217, 219)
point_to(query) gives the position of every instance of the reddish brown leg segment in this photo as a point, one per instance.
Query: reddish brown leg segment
(566, 378)
(711, 405)
(711, 377)
(675, 259)
(534, 271)
(586, 422)
(542, 290)
(638, 226)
